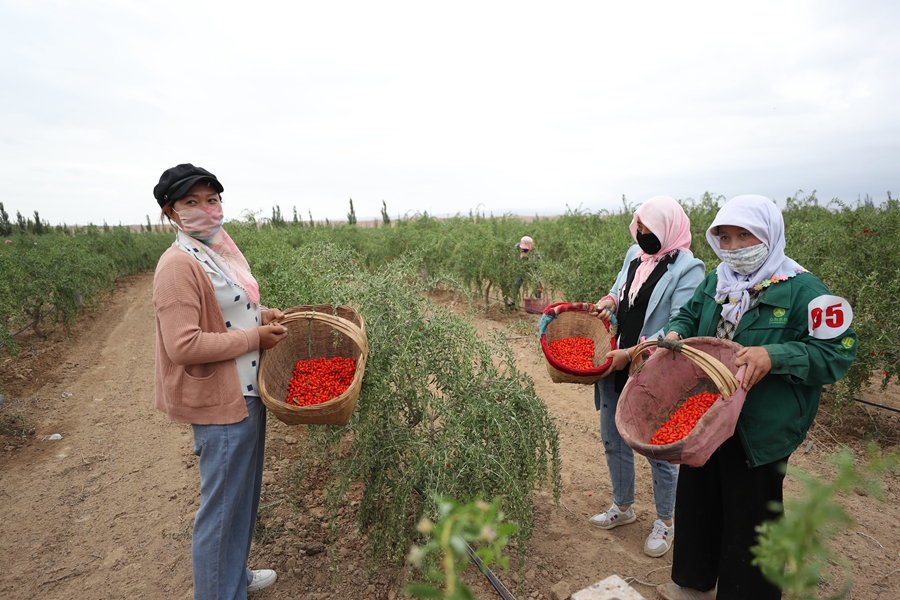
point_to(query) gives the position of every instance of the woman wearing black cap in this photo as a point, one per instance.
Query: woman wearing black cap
(210, 327)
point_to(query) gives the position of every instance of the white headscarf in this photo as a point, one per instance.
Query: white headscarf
(759, 216)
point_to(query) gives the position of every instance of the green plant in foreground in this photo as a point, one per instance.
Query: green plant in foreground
(793, 551)
(458, 524)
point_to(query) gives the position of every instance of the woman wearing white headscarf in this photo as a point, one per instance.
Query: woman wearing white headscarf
(658, 275)
(796, 338)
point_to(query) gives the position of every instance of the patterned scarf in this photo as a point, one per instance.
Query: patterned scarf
(216, 248)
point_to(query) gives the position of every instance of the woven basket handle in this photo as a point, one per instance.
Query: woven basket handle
(561, 307)
(554, 310)
(719, 373)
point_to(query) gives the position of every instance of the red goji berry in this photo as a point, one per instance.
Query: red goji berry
(683, 419)
(319, 380)
(574, 352)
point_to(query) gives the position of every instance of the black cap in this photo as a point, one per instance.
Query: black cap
(176, 182)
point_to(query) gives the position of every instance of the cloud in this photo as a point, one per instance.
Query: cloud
(512, 107)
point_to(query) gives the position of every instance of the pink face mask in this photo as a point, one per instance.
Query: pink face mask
(202, 222)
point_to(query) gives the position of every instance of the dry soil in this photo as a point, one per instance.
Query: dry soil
(106, 511)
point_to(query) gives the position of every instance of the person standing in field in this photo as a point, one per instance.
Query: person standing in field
(525, 248)
(796, 337)
(210, 327)
(658, 275)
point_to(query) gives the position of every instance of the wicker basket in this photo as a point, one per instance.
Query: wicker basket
(676, 371)
(575, 319)
(344, 312)
(314, 332)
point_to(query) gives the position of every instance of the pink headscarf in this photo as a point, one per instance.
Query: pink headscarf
(665, 218)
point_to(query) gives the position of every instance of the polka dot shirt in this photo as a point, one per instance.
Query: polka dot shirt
(240, 314)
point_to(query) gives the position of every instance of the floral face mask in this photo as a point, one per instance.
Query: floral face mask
(746, 260)
(202, 222)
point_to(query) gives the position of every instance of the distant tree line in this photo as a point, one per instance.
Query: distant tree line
(278, 220)
(22, 224)
(38, 226)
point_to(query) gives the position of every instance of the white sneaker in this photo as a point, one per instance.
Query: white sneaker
(261, 579)
(613, 517)
(660, 539)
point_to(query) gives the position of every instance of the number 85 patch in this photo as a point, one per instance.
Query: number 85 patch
(829, 317)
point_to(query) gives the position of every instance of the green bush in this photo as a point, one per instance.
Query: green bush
(440, 408)
(47, 278)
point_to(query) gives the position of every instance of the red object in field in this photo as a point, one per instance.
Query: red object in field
(684, 418)
(664, 383)
(318, 380)
(574, 352)
(564, 320)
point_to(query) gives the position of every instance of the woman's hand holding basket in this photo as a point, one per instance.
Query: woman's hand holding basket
(620, 360)
(758, 362)
(603, 309)
(271, 334)
(272, 331)
(271, 314)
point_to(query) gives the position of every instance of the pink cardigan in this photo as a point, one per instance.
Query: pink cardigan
(196, 376)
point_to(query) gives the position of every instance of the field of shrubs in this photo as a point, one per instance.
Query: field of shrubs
(445, 411)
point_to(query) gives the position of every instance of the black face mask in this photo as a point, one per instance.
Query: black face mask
(649, 243)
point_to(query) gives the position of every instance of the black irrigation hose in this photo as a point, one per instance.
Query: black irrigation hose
(496, 583)
(50, 312)
(32, 324)
(860, 400)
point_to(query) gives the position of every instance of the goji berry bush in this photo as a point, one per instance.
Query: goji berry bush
(45, 278)
(440, 409)
(849, 245)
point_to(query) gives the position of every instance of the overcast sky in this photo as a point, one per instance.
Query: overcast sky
(499, 107)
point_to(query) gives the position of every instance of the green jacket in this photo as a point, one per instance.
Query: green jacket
(780, 408)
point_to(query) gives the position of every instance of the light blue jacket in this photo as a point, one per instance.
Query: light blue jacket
(674, 288)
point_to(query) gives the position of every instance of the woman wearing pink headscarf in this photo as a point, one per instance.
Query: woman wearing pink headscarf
(659, 274)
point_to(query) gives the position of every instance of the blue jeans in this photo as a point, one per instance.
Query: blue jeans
(620, 457)
(231, 467)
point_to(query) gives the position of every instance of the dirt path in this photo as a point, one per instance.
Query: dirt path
(106, 512)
